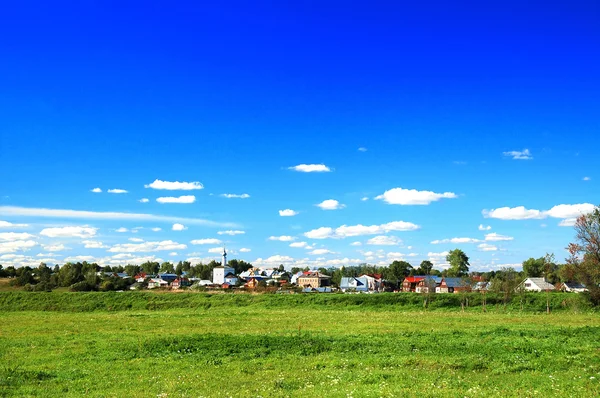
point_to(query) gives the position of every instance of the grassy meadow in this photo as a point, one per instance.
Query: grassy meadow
(278, 346)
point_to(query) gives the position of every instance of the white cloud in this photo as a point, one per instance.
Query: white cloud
(494, 237)
(570, 211)
(96, 190)
(69, 232)
(54, 248)
(17, 245)
(514, 213)
(245, 250)
(121, 230)
(12, 236)
(235, 196)
(273, 260)
(288, 213)
(92, 244)
(116, 190)
(364, 198)
(330, 204)
(173, 254)
(136, 240)
(484, 227)
(283, 238)
(209, 241)
(144, 200)
(231, 233)
(97, 215)
(567, 222)
(401, 196)
(318, 252)
(586, 178)
(166, 245)
(438, 255)
(178, 227)
(455, 240)
(358, 230)
(156, 229)
(6, 224)
(181, 199)
(175, 185)
(310, 168)
(362, 149)
(383, 240)
(299, 244)
(356, 244)
(525, 154)
(76, 259)
(485, 247)
(218, 250)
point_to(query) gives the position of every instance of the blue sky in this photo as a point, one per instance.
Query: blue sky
(431, 120)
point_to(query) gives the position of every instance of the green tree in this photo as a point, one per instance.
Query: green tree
(534, 267)
(584, 261)
(459, 263)
(425, 267)
(151, 267)
(397, 270)
(167, 267)
(505, 282)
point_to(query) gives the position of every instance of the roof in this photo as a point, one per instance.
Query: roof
(230, 275)
(315, 274)
(414, 279)
(574, 285)
(455, 282)
(541, 283)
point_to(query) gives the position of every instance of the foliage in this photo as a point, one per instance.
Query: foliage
(459, 263)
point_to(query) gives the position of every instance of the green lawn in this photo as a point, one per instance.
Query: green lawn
(298, 351)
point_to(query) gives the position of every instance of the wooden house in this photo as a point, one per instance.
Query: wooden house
(314, 279)
(428, 284)
(453, 285)
(410, 283)
(180, 283)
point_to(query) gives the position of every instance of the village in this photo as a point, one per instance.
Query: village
(224, 278)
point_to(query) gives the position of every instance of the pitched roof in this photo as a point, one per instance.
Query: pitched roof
(414, 279)
(455, 282)
(541, 283)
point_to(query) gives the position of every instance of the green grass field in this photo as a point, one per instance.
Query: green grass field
(278, 346)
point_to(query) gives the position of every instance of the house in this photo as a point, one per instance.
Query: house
(252, 277)
(294, 278)
(314, 279)
(481, 286)
(141, 277)
(357, 284)
(410, 283)
(231, 279)
(157, 282)
(122, 275)
(573, 287)
(375, 282)
(168, 277)
(428, 284)
(453, 285)
(180, 282)
(536, 285)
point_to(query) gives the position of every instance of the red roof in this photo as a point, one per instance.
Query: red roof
(414, 279)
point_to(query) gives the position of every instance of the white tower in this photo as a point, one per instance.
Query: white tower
(224, 261)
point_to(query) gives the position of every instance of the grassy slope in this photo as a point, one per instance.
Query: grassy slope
(265, 349)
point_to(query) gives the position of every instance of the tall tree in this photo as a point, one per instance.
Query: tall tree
(459, 263)
(167, 267)
(425, 267)
(584, 261)
(534, 267)
(398, 270)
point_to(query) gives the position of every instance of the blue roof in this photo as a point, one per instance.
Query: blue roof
(455, 282)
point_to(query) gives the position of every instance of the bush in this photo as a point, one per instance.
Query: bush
(82, 286)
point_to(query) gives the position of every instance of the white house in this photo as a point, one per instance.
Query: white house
(573, 287)
(221, 271)
(157, 282)
(536, 285)
(231, 279)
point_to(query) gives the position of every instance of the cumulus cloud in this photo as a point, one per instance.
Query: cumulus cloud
(359, 230)
(568, 222)
(364, 198)
(356, 244)
(96, 190)
(494, 237)
(69, 232)
(485, 247)
(175, 185)
(136, 240)
(156, 229)
(116, 190)
(16, 245)
(121, 230)
(521, 213)
(455, 240)
(310, 168)
(245, 250)
(100, 215)
(6, 224)
(75, 259)
(12, 236)
(54, 248)
(318, 252)
(208, 241)
(144, 200)
(283, 238)
(525, 154)
(92, 244)
(484, 227)
(165, 245)
(178, 227)
(299, 244)
(185, 199)
(231, 232)
(330, 204)
(401, 196)
(288, 213)
(235, 196)
(383, 240)
(216, 250)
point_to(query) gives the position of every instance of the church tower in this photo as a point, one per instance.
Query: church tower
(224, 261)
